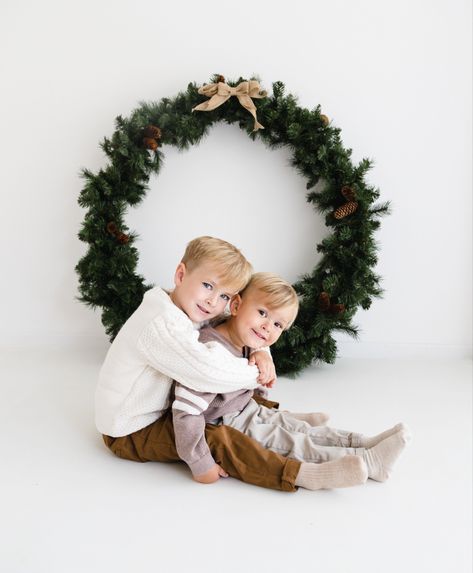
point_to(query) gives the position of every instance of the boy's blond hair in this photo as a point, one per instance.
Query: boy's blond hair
(228, 261)
(279, 293)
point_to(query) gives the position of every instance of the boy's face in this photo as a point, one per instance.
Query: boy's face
(255, 323)
(200, 293)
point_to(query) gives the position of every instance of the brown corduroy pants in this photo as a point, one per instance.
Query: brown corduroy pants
(239, 455)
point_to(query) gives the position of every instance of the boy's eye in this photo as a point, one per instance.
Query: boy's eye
(207, 286)
(278, 325)
(262, 313)
(225, 297)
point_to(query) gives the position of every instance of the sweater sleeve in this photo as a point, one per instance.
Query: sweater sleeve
(189, 428)
(171, 346)
(263, 348)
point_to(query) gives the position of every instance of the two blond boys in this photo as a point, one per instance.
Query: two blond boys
(159, 343)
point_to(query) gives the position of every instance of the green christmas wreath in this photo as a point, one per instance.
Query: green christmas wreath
(330, 295)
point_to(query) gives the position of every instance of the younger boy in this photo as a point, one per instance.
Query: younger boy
(259, 314)
(159, 343)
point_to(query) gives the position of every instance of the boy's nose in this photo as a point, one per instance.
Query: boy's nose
(212, 299)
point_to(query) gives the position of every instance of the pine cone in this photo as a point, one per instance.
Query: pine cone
(112, 228)
(345, 210)
(348, 192)
(152, 131)
(324, 301)
(325, 119)
(337, 308)
(122, 238)
(150, 143)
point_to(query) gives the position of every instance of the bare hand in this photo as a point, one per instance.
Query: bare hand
(265, 365)
(212, 475)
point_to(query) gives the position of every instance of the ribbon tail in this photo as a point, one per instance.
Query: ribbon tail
(214, 102)
(248, 104)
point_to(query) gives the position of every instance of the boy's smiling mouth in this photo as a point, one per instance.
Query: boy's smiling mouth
(258, 334)
(202, 309)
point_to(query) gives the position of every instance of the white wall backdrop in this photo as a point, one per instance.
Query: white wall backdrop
(395, 76)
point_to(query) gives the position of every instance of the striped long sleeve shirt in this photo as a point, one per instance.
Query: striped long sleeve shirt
(191, 410)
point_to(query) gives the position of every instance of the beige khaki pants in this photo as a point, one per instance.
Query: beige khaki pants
(277, 431)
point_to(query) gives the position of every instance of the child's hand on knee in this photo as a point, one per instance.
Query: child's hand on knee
(212, 475)
(265, 365)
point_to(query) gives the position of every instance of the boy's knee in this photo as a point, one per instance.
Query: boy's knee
(219, 435)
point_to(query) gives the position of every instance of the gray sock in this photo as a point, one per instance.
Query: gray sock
(360, 441)
(345, 472)
(381, 458)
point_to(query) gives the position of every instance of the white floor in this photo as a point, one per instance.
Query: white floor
(68, 505)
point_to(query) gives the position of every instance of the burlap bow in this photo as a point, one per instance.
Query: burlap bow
(220, 92)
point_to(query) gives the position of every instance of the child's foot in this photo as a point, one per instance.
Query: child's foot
(381, 458)
(345, 472)
(312, 418)
(369, 442)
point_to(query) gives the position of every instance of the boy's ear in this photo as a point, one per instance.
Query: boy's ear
(235, 304)
(179, 274)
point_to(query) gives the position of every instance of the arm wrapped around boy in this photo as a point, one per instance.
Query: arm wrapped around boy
(157, 344)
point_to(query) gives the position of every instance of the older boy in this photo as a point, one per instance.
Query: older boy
(259, 314)
(159, 343)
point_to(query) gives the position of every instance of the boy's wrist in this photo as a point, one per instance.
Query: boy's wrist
(262, 349)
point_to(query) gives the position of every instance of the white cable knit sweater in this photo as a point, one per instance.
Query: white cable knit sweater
(157, 344)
